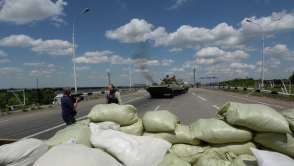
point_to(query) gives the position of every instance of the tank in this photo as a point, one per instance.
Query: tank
(168, 86)
(184, 85)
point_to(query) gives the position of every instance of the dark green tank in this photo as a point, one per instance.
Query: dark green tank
(168, 86)
(185, 86)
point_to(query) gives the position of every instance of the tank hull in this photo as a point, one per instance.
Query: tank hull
(162, 90)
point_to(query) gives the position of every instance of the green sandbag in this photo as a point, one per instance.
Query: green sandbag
(236, 148)
(80, 133)
(283, 143)
(245, 160)
(120, 114)
(182, 134)
(189, 153)
(162, 120)
(257, 117)
(84, 122)
(289, 115)
(218, 132)
(134, 129)
(213, 160)
(173, 160)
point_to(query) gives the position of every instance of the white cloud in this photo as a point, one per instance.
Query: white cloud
(51, 66)
(167, 62)
(177, 70)
(273, 63)
(135, 31)
(94, 57)
(41, 72)
(177, 4)
(191, 65)
(145, 62)
(4, 60)
(116, 59)
(280, 50)
(51, 47)
(20, 12)
(175, 50)
(83, 68)
(2, 53)
(242, 66)
(37, 64)
(10, 70)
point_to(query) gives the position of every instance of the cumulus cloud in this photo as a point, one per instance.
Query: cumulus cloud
(37, 64)
(177, 70)
(167, 62)
(51, 47)
(42, 72)
(191, 65)
(242, 66)
(83, 68)
(273, 63)
(2, 53)
(135, 31)
(18, 12)
(145, 62)
(280, 50)
(175, 50)
(94, 57)
(10, 70)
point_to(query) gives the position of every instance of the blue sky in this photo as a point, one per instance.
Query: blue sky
(155, 37)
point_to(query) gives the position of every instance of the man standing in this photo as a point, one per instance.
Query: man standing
(68, 107)
(113, 96)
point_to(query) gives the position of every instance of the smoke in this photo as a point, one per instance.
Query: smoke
(140, 57)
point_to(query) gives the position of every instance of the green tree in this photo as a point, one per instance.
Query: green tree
(291, 78)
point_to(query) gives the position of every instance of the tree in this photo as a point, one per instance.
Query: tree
(291, 78)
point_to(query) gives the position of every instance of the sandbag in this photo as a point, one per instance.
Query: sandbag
(283, 143)
(236, 148)
(76, 155)
(182, 134)
(129, 149)
(289, 115)
(81, 133)
(120, 114)
(24, 152)
(256, 117)
(245, 160)
(266, 158)
(172, 160)
(213, 160)
(189, 153)
(218, 132)
(84, 122)
(162, 120)
(134, 129)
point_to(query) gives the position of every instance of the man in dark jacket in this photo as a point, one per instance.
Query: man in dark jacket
(68, 107)
(113, 96)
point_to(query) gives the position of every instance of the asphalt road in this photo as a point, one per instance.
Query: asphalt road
(197, 103)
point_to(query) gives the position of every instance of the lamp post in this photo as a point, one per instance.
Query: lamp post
(130, 68)
(262, 62)
(74, 53)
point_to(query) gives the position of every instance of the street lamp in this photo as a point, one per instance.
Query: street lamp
(74, 53)
(262, 64)
(130, 68)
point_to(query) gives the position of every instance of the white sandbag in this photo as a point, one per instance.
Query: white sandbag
(81, 133)
(76, 155)
(173, 160)
(245, 160)
(266, 158)
(134, 129)
(218, 132)
(107, 126)
(24, 152)
(283, 143)
(129, 149)
(256, 117)
(162, 120)
(120, 114)
(182, 134)
(289, 115)
(189, 153)
(236, 148)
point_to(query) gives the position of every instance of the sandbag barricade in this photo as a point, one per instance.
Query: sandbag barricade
(172, 160)
(134, 129)
(289, 115)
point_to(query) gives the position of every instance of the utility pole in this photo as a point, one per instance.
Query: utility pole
(37, 83)
(194, 77)
(108, 73)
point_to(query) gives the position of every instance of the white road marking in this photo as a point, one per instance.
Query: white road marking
(201, 98)
(215, 107)
(133, 100)
(50, 129)
(251, 100)
(193, 93)
(156, 108)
